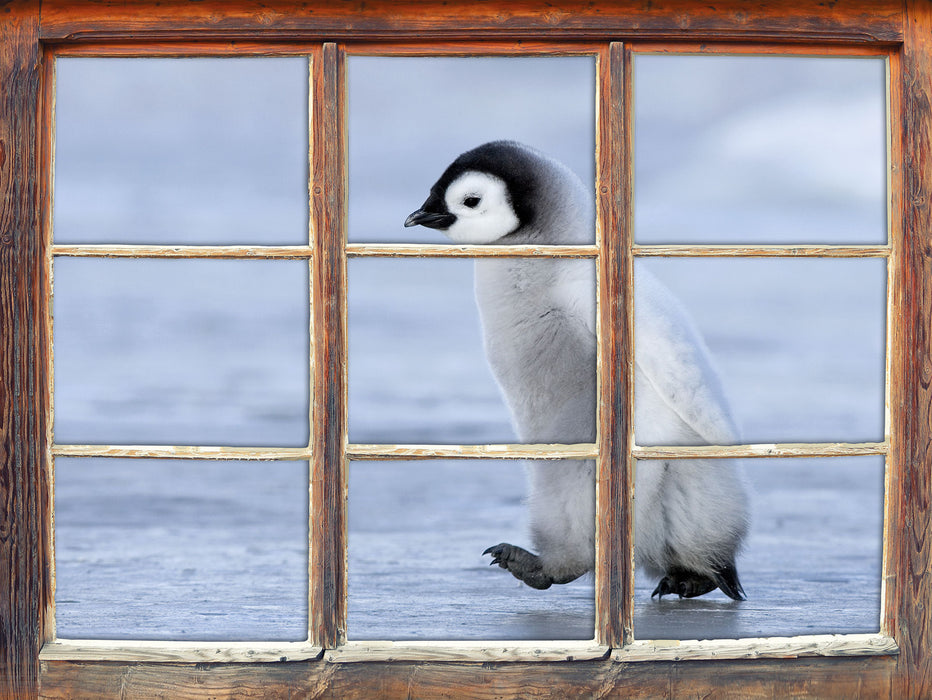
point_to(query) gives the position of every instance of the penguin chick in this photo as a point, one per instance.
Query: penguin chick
(538, 321)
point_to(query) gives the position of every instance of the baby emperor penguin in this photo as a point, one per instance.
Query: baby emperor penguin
(538, 319)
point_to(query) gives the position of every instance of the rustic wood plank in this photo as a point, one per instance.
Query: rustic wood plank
(503, 451)
(474, 47)
(406, 250)
(327, 605)
(614, 569)
(843, 21)
(183, 452)
(296, 252)
(410, 250)
(847, 21)
(47, 179)
(909, 564)
(24, 496)
(182, 49)
(767, 648)
(762, 251)
(178, 652)
(469, 651)
(796, 449)
(850, 678)
(759, 48)
(517, 451)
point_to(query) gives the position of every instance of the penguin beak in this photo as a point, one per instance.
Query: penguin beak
(430, 219)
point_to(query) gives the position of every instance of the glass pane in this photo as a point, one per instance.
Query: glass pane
(180, 550)
(811, 562)
(184, 151)
(799, 346)
(418, 370)
(209, 352)
(417, 531)
(409, 118)
(750, 149)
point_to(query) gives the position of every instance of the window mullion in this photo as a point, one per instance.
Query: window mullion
(614, 570)
(327, 532)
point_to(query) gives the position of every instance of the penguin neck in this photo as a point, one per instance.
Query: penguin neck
(564, 217)
(511, 290)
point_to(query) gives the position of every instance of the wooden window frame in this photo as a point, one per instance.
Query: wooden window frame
(896, 663)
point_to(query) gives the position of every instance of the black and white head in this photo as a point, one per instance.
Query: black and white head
(486, 194)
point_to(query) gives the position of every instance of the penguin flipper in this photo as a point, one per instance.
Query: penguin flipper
(521, 563)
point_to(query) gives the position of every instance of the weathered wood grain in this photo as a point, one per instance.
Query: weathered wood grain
(909, 564)
(179, 652)
(297, 252)
(183, 452)
(795, 449)
(760, 48)
(763, 251)
(407, 250)
(327, 604)
(767, 648)
(614, 568)
(852, 678)
(404, 250)
(23, 559)
(24, 573)
(848, 21)
(581, 451)
(468, 651)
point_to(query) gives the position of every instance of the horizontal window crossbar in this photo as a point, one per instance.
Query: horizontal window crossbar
(467, 651)
(404, 250)
(515, 451)
(791, 449)
(296, 252)
(411, 250)
(498, 451)
(183, 452)
(761, 251)
(144, 651)
(762, 648)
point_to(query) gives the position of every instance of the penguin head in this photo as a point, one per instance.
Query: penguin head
(483, 196)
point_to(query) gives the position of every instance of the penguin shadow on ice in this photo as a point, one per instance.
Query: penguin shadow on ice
(538, 323)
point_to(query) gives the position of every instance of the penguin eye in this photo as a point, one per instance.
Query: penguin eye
(472, 201)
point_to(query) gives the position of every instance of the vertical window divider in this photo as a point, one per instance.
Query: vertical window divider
(614, 567)
(46, 142)
(894, 116)
(327, 527)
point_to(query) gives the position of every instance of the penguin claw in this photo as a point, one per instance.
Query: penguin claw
(521, 563)
(689, 584)
(726, 578)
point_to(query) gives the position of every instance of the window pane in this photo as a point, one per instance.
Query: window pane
(812, 558)
(180, 550)
(417, 531)
(742, 149)
(799, 344)
(209, 352)
(186, 151)
(410, 117)
(418, 370)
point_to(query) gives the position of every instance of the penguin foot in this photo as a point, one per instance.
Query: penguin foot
(685, 584)
(521, 563)
(689, 584)
(726, 577)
